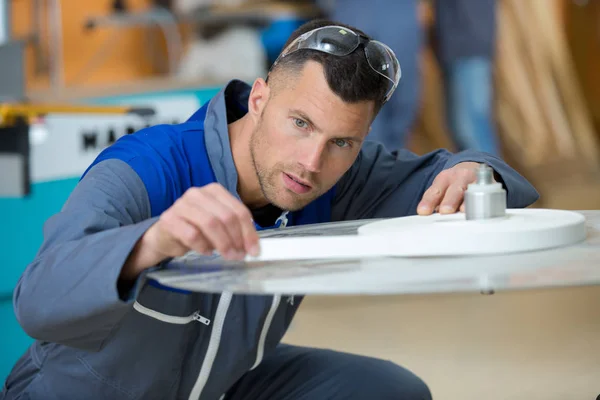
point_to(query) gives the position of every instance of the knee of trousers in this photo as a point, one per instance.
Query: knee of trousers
(387, 380)
(361, 377)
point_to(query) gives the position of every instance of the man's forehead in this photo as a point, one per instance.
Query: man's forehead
(310, 93)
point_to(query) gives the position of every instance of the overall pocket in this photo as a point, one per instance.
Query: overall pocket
(144, 356)
(171, 319)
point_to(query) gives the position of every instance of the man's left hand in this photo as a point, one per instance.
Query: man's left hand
(446, 194)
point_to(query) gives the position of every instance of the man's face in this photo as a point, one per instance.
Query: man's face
(305, 137)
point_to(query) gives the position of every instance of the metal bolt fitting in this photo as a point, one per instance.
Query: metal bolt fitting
(485, 198)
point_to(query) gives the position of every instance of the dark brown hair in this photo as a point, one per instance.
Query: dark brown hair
(350, 77)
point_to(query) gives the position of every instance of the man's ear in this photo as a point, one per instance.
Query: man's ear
(259, 95)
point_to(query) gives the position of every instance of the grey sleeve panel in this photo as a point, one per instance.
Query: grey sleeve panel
(69, 293)
(378, 174)
(382, 184)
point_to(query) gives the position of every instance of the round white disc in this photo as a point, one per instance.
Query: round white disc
(452, 234)
(437, 235)
(330, 259)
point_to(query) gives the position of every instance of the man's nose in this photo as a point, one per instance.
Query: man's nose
(312, 154)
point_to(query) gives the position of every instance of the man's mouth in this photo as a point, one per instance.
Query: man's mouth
(296, 184)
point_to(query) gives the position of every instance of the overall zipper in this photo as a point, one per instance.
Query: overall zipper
(263, 334)
(171, 319)
(213, 345)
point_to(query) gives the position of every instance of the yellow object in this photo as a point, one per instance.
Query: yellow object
(11, 113)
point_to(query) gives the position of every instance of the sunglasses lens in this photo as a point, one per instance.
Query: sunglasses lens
(382, 59)
(332, 39)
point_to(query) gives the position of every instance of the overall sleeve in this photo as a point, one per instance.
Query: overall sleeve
(70, 292)
(382, 184)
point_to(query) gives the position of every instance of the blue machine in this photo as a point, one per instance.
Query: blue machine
(22, 218)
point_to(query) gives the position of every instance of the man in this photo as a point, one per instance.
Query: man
(287, 151)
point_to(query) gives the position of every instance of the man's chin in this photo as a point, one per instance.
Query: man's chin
(292, 202)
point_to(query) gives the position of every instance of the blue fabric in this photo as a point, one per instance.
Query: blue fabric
(168, 158)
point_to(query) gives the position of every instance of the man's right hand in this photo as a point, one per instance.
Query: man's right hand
(204, 219)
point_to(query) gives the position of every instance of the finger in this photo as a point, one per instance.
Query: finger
(467, 175)
(248, 230)
(452, 199)
(432, 197)
(211, 227)
(462, 207)
(185, 237)
(220, 205)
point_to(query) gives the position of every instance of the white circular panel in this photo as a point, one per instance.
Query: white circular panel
(452, 234)
(332, 259)
(436, 235)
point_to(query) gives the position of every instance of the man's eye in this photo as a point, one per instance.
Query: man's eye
(300, 124)
(341, 142)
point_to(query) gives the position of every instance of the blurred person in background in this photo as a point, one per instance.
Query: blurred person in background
(465, 33)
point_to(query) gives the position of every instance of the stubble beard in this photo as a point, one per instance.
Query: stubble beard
(267, 179)
(264, 181)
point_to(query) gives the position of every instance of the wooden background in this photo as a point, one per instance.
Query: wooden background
(128, 58)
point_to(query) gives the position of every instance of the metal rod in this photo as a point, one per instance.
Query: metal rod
(37, 16)
(57, 81)
(484, 175)
(5, 23)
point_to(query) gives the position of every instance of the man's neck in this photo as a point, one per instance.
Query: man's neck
(248, 186)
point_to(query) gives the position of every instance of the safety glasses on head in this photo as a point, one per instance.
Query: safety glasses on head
(340, 41)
